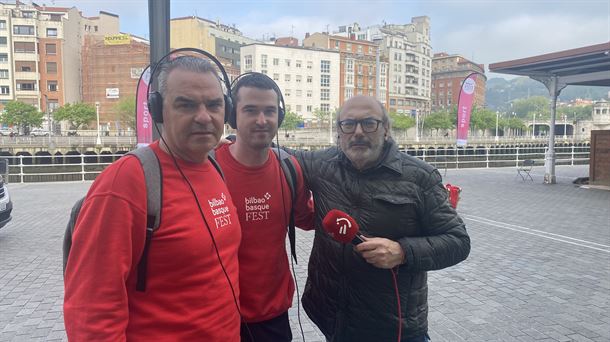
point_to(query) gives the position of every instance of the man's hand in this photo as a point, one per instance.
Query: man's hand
(381, 252)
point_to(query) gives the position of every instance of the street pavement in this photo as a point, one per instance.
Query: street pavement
(539, 269)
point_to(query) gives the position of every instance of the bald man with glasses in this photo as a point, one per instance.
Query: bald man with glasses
(377, 290)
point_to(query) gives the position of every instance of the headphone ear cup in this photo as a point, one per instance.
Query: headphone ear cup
(280, 116)
(230, 115)
(155, 106)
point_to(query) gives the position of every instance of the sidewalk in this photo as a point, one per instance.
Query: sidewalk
(539, 269)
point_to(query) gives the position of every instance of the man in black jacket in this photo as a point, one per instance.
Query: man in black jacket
(401, 207)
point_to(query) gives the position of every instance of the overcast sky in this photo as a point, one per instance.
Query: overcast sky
(484, 31)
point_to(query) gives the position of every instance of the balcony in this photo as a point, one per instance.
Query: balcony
(26, 57)
(26, 75)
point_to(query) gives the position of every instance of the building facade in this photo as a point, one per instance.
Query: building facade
(36, 45)
(408, 51)
(448, 73)
(114, 64)
(308, 77)
(358, 70)
(218, 39)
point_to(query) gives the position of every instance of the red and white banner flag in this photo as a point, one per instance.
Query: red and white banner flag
(144, 123)
(464, 108)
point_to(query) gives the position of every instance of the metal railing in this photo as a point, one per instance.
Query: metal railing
(82, 167)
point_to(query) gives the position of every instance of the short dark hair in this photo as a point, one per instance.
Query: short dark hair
(254, 80)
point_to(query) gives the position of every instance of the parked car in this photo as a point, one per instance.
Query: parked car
(6, 205)
(37, 132)
(6, 132)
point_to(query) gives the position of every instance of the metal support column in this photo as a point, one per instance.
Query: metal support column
(158, 24)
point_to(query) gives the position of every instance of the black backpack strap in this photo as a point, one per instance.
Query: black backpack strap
(70, 230)
(290, 172)
(152, 176)
(212, 159)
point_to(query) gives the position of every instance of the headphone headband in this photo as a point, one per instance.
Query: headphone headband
(155, 99)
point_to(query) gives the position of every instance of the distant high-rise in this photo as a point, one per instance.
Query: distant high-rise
(409, 54)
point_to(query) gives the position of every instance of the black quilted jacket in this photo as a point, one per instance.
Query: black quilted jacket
(402, 199)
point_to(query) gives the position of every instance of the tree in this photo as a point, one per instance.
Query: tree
(77, 114)
(321, 116)
(401, 122)
(291, 121)
(438, 120)
(126, 111)
(482, 119)
(574, 113)
(525, 108)
(21, 114)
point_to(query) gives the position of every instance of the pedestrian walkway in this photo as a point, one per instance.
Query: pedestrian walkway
(539, 269)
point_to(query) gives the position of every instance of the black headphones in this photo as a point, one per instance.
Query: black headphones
(155, 100)
(281, 111)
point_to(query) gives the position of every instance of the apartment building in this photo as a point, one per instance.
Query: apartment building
(358, 70)
(409, 54)
(308, 77)
(220, 40)
(114, 64)
(448, 73)
(36, 43)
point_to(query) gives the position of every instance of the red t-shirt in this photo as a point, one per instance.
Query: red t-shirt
(266, 284)
(187, 295)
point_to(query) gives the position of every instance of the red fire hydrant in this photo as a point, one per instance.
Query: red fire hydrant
(454, 194)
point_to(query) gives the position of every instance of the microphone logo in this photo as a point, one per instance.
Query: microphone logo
(344, 227)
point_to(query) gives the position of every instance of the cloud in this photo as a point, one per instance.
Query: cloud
(522, 36)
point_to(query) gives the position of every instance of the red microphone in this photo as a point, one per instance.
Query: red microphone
(342, 227)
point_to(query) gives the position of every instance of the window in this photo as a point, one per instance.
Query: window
(26, 85)
(276, 61)
(25, 47)
(287, 92)
(51, 49)
(309, 79)
(324, 94)
(51, 32)
(27, 14)
(23, 30)
(52, 105)
(309, 64)
(276, 77)
(3, 73)
(309, 94)
(52, 85)
(248, 62)
(359, 48)
(298, 64)
(51, 67)
(2, 24)
(336, 44)
(325, 66)
(55, 17)
(287, 77)
(309, 109)
(298, 78)
(349, 80)
(299, 93)
(370, 49)
(349, 65)
(348, 46)
(263, 61)
(2, 41)
(5, 90)
(349, 92)
(325, 107)
(264, 71)
(287, 62)
(325, 80)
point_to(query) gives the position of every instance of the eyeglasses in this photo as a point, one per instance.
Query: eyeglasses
(369, 125)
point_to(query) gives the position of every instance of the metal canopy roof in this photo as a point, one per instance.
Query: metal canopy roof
(589, 65)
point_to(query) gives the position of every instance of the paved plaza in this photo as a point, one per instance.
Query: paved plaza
(539, 269)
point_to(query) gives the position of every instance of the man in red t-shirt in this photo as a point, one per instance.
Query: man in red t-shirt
(192, 288)
(263, 199)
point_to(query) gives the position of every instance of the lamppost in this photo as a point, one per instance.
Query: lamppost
(98, 141)
(497, 117)
(416, 124)
(565, 126)
(534, 127)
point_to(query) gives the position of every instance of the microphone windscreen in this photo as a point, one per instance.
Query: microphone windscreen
(340, 226)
